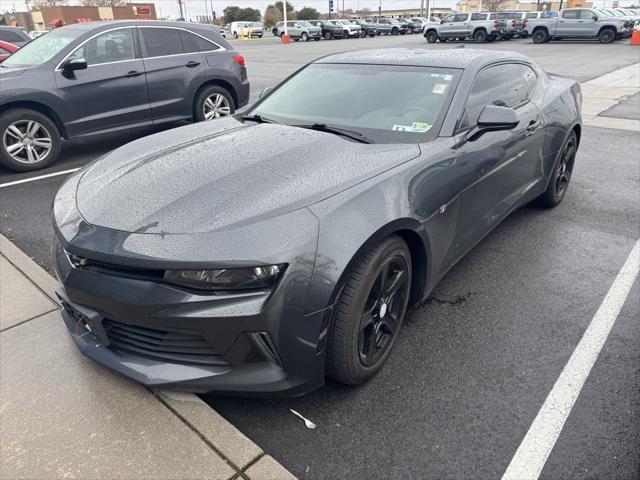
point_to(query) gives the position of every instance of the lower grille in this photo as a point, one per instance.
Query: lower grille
(169, 345)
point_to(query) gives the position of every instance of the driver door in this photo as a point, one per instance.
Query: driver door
(111, 94)
(447, 26)
(498, 168)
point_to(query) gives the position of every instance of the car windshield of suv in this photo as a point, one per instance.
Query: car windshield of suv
(383, 103)
(42, 49)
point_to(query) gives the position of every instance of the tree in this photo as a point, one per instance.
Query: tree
(38, 4)
(231, 14)
(307, 13)
(272, 16)
(103, 3)
(291, 14)
(248, 15)
(492, 5)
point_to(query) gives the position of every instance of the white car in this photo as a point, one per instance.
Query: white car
(349, 29)
(423, 21)
(246, 29)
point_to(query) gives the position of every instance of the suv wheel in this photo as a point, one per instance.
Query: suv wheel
(369, 312)
(395, 31)
(431, 36)
(304, 37)
(213, 102)
(540, 36)
(28, 140)
(607, 35)
(327, 35)
(480, 36)
(235, 35)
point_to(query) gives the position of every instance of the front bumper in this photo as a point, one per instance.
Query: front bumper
(164, 336)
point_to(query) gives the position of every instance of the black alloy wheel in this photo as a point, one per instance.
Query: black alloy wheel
(607, 35)
(431, 36)
(561, 174)
(540, 36)
(369, 312)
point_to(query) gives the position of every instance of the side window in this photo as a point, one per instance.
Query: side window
(449, 19)
(460, 18)
(194, 43)
(532, 15)
(507, 85)
(11, 37)
(478, 16)
(586, 14)
(571, 14)
(114, 46)
(159, 42)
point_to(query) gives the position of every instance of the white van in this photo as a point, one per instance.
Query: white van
(246, 29)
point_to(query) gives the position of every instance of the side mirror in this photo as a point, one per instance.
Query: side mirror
(264, 92)
(75, 64)
(494, 118)
(595, 17)
(441, 22)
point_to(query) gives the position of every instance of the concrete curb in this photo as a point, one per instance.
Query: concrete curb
(238, 451)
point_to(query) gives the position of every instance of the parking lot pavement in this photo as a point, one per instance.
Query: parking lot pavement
(63, 416)
(474, 365)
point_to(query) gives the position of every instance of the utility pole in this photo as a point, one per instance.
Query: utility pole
(284, 16)
(206, 11)
(180, 6)
(422, 8)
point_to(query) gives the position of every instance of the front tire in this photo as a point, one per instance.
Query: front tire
(304, 37)
(607, 36)
(29, 140)
(213, 102)
(560, 175)
(327, 35)
(369, 312)
(431, 36)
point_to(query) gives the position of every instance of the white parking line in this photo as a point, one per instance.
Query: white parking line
(537, 444)
(40, 177)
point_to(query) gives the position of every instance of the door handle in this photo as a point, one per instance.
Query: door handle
(533, 125)
(133, 73)
(192, 64)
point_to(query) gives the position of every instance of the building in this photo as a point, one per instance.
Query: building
(53, 17)
(17, 19)
(464, 6)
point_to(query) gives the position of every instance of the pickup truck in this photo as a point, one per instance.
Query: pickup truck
(390, 26)
(577, 23)
(478, 26)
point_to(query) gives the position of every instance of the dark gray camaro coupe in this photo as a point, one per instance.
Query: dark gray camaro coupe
(254, 255)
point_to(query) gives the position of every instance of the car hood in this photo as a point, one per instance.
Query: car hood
(223, 174)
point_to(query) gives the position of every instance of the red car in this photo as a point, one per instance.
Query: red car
(6, 49)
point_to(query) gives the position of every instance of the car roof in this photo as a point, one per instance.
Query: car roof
(106, 24)
(463, 58)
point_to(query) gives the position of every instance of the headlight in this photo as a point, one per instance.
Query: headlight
(226, 278)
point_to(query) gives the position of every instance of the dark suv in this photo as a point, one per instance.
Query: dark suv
(102, 77)
(14, 35)
(329, 30)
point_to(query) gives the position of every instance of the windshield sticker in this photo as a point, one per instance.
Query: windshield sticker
(415, 127)
(440, 88)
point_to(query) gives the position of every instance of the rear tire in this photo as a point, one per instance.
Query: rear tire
(202, 109)
(607, 35)
(540, 36)
(480, 36)
(560, 175)
(369, 313)
(32, 138)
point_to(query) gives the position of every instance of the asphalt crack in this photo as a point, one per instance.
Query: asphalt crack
(457, 300)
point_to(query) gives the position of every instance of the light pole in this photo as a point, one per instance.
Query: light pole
(284, 17)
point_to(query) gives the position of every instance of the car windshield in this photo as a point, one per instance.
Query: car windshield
(384, 103)
(42, 49)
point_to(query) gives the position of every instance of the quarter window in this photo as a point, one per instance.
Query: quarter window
(160, 42)
(113, 46)
(509, 85)
(194, 43)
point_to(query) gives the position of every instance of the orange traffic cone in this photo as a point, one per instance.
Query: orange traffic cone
(286, 38)
(635, 37)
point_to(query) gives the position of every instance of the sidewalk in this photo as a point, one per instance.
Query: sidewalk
(64, 416)
(607, 91)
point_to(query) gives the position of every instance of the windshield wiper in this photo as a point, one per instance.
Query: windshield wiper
(345, 132)
(257, 118)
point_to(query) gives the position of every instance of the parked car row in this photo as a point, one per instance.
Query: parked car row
(568, 23)
(147, 72)
(303, 30)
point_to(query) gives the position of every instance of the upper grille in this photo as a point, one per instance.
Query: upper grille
(170, 345)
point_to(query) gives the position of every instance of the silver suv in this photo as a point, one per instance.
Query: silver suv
(300, 30)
